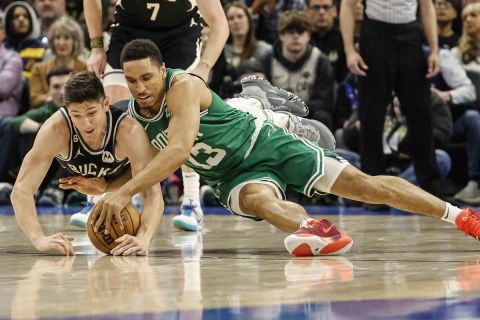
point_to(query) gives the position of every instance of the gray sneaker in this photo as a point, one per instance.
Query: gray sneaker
(470, 194)
(271, 97)
(312, 130)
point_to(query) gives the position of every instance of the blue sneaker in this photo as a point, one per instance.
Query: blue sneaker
(190, 218)
(79, 219)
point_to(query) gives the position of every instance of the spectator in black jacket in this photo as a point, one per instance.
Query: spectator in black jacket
(299, 67)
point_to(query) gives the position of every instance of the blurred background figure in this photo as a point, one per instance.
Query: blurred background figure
(299, 67)
(49, 11)
(23, 31)
(448, 22)
(241, 45)
(10, 90)
(66, 42)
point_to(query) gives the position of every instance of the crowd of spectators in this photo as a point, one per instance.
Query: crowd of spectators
(300, 46)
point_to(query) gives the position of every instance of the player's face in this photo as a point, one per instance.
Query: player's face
(146, 82)
(21, 20)
(237, 21)
(89, 117)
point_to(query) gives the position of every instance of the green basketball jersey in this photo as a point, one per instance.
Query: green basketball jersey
(225, 139)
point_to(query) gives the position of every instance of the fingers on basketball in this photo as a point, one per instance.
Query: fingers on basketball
(105, 242)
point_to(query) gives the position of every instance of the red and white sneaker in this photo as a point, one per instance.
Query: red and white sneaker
(317, 237)
(469, 222)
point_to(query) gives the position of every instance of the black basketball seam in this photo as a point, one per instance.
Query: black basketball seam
(101, 240)
(133, 225)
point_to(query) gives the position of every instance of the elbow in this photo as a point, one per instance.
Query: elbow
(184, 155)
(16, 195)
(181, 154)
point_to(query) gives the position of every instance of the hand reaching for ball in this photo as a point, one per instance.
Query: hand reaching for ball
(56, 242)
(128, 244)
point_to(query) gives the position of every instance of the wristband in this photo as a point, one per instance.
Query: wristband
(96, 42)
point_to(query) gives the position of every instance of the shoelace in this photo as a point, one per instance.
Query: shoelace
(188, 208)
(307, 132)
(88, 207)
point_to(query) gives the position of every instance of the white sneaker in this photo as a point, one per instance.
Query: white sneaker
(470, 194)
(190, 218)
(79, 219)
(138, 201)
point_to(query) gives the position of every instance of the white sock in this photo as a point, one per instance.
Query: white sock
(94, 199)
(451, 213)
(191, 187)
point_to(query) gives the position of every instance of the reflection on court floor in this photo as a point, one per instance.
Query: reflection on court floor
(400, 267)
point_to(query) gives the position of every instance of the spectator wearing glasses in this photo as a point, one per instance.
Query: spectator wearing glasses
(326, 36)
(448, 23)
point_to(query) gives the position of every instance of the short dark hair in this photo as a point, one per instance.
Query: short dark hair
(58, 71)
(139, 49)
(83, 86)
(293, 20)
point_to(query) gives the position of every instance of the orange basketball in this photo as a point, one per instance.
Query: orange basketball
(106, 242)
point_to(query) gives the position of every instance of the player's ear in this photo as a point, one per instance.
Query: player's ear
(163, 71)
(106, 103)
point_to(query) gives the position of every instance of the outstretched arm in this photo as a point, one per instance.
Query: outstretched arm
(140, 155)
(33, 170)
(183, 100)
(94, 186)
(213, 14)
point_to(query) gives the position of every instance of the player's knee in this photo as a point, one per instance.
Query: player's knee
(253, 198)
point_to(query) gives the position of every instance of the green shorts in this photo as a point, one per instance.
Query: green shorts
(278, 158)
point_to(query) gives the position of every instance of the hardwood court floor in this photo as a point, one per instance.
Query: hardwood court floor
(400, 267)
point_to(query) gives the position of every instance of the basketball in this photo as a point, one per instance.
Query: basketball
(106, 242)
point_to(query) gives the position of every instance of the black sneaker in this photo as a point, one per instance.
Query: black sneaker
(271, 97)
(5, 191)
(51, 197)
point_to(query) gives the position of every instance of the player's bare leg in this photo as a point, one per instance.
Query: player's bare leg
(261, 200)
(392, 191)
(311, 237)
(400, 194)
